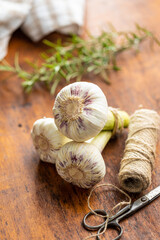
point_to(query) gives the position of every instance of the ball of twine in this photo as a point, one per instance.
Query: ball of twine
(139, 154)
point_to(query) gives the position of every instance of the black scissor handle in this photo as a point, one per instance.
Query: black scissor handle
(96, 227)
(114, 225)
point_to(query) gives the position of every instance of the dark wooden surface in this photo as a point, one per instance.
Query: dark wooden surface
(35, 203)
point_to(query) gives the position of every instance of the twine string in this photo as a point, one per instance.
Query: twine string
(110, 213)
(139, 154)
(119, 122)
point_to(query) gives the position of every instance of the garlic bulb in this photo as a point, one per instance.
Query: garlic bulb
(80, 111)
(82, 163)
(47, 139)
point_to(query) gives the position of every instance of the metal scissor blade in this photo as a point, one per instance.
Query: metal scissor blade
(153, 194)
(141, 202)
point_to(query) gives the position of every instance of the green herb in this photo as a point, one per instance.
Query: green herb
(77, 57)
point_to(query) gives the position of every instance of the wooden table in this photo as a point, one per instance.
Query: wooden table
(35, 203)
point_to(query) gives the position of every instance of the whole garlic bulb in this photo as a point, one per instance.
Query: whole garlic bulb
(80, 111)
(80, 164)
(47, 139)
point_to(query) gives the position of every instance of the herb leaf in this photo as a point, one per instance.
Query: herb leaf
(77, 57)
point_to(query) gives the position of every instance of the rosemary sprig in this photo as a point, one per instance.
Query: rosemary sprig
(76, 57)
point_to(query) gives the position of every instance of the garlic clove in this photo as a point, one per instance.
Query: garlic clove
(80, 164)
(47, 140)
(80, 111)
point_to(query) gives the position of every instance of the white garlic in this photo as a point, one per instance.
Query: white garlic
(47, 139)
(80, 164)
(80, 111)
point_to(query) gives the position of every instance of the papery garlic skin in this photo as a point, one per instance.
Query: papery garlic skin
(80, 111)
(80, 164)
(47, 139)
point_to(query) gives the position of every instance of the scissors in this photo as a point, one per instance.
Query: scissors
(125, 212)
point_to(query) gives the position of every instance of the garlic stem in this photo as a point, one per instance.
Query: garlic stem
(123, 117)
(104, 136)
(101, 140)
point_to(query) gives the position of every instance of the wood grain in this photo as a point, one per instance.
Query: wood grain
(35, 203)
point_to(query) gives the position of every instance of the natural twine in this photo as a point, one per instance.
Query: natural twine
(119, 122)
(110, 213)
(139, 154)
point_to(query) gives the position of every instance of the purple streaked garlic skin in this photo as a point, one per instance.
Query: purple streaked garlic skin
(47, 140)
(80, 164)
(80, 111)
